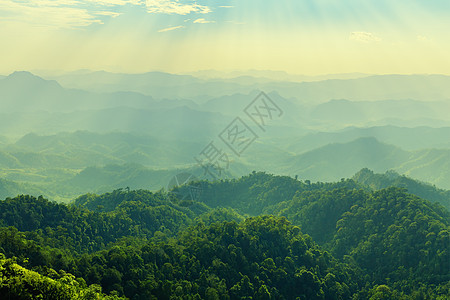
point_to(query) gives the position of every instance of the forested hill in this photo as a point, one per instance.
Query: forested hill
(257, 237)
(259, 192)
(392, 178)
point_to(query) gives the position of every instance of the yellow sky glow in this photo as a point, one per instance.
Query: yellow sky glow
(128, 36)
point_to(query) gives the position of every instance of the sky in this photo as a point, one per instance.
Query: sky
(308, 37)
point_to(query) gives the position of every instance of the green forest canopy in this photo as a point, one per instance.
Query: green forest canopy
(257, 237)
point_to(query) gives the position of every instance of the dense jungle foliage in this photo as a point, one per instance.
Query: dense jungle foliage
(257, 237)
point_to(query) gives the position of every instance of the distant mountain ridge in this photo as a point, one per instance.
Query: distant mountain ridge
(334, 160)
(82, 148)
(86, 160)
(11, 189)
(164, 85)
(269, 75)
(392, 178)
(404, 137)
(329, 129)
(373, 87)
(29, 102)
(340, 160)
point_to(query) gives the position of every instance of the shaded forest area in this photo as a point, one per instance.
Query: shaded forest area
(257, 237)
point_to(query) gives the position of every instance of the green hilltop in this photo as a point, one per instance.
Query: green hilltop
(257, 237)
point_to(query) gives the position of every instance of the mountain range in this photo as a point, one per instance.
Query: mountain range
(71, 128)
(32, 104)
(164, 85)
(71, 163)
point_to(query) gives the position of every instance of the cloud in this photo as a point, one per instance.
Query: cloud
(175, 7)
(171, 28)
(61, 13)
(82, 13)
(46, 13)
(108, 13)
(116, 2)
(364, 37)
(203, 21)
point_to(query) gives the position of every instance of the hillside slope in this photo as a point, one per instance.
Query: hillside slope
(156, 245)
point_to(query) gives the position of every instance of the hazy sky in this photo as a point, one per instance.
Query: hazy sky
(300, 37)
